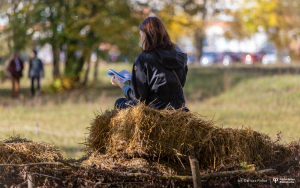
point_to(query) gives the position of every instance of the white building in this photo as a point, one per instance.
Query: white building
(215, 41)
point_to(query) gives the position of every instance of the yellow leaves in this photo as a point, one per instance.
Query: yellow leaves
(57, 83)
(273, 19)
(250, 167)
(67, 82)
(62, 84)
(259, 157)
(177, 24)
(265, 13)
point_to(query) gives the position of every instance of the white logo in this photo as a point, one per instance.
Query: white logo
(275, 180)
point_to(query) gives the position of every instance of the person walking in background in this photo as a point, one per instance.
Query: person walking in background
(36, 70)
(15, 68)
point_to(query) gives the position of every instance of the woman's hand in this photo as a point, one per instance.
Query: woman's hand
(116, 81)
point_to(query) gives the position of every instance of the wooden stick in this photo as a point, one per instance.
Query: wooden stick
(184, 178)
(31, 181)
(205, 176)
(71, 165)
(32, 164)
(195, 172)
(59, 163)
(237, 172)
(59, 169)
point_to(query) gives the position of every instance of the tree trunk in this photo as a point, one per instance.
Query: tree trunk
(74, 65)
(85, 80)
(199, 35)
(96, 71)
(56, 72)
(55, 48)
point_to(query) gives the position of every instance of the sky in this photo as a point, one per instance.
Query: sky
(3, 21)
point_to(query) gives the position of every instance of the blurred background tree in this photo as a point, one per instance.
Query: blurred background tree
(13, 36)
(4, 46)
(79, 28)
(74, 26)
(277, 18)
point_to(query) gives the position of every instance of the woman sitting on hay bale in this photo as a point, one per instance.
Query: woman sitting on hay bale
(159, 72)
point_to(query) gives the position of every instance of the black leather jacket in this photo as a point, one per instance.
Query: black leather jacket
(154, 81)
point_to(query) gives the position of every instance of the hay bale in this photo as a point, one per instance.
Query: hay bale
(16, 150)
(141, 131)
(99, 131)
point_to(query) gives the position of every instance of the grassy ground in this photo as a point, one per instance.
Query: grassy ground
(259, 97)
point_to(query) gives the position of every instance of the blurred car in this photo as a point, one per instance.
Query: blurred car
(259, 56)
(271, 58)
(227, 60)
(235, 57)
(250, 58)
(208, 58)
(287, 59)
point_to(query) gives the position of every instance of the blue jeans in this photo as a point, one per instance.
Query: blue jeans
(123, 103)
(32, 84)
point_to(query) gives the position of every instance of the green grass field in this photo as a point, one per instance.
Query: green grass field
(263, 99)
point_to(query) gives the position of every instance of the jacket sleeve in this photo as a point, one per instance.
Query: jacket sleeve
(138, 85)
(125, 90)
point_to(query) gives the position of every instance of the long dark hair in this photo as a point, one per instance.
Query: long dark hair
(156, 35)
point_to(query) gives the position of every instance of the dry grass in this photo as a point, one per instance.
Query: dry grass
(16, 150)
(119, 162)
